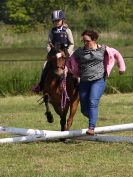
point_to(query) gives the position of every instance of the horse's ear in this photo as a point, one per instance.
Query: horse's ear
(53, 51)
(66, 52)
(51, 45)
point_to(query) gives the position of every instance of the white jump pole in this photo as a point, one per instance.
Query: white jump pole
(35, 138)
(106, 138)
(65, 134)
(51, 135)
(22, 131)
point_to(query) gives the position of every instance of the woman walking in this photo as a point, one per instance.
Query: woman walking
(93, 64)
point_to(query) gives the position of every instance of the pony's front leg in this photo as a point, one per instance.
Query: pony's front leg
(63, 123)
(73, 109)
(48, 113)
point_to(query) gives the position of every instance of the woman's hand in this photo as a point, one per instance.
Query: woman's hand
(121, 72)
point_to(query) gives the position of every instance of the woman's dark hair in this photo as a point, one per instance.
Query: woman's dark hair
(91, 33)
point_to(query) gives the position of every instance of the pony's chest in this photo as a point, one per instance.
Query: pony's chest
(55, 89)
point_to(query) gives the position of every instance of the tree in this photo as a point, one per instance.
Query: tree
(25, 14)
(2, 10)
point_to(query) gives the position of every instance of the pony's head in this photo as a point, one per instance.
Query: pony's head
(58, 60)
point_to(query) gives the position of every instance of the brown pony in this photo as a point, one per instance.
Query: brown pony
(61, 90)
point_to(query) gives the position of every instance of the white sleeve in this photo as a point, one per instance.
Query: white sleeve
(50, 36)
(71, 41)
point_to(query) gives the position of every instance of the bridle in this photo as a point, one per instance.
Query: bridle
(64, 69)
(64, 58)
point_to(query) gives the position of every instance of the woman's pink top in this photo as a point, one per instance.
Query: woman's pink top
(112, 56)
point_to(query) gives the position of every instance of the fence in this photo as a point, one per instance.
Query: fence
(18, 76)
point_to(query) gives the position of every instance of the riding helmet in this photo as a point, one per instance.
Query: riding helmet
(58, 15)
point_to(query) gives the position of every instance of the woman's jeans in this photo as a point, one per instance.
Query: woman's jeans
(90, 93)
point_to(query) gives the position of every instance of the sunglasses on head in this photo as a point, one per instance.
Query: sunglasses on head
(86, 41)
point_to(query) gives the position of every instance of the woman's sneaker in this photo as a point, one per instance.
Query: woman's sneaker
(90, 132)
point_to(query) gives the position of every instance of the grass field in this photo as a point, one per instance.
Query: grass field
(74, 158)
(18, 77)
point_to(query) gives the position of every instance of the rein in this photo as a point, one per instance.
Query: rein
(64, 96)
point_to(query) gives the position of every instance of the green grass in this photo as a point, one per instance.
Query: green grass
(38, 38)
(9, 39)
(74, 158)
(19, 76)
(22, 54)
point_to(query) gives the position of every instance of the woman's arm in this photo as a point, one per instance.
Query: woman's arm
(120, 61)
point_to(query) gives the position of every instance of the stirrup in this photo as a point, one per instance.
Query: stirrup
(36, 89)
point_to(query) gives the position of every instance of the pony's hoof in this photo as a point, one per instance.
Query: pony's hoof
(63, 140)
(50, 118)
